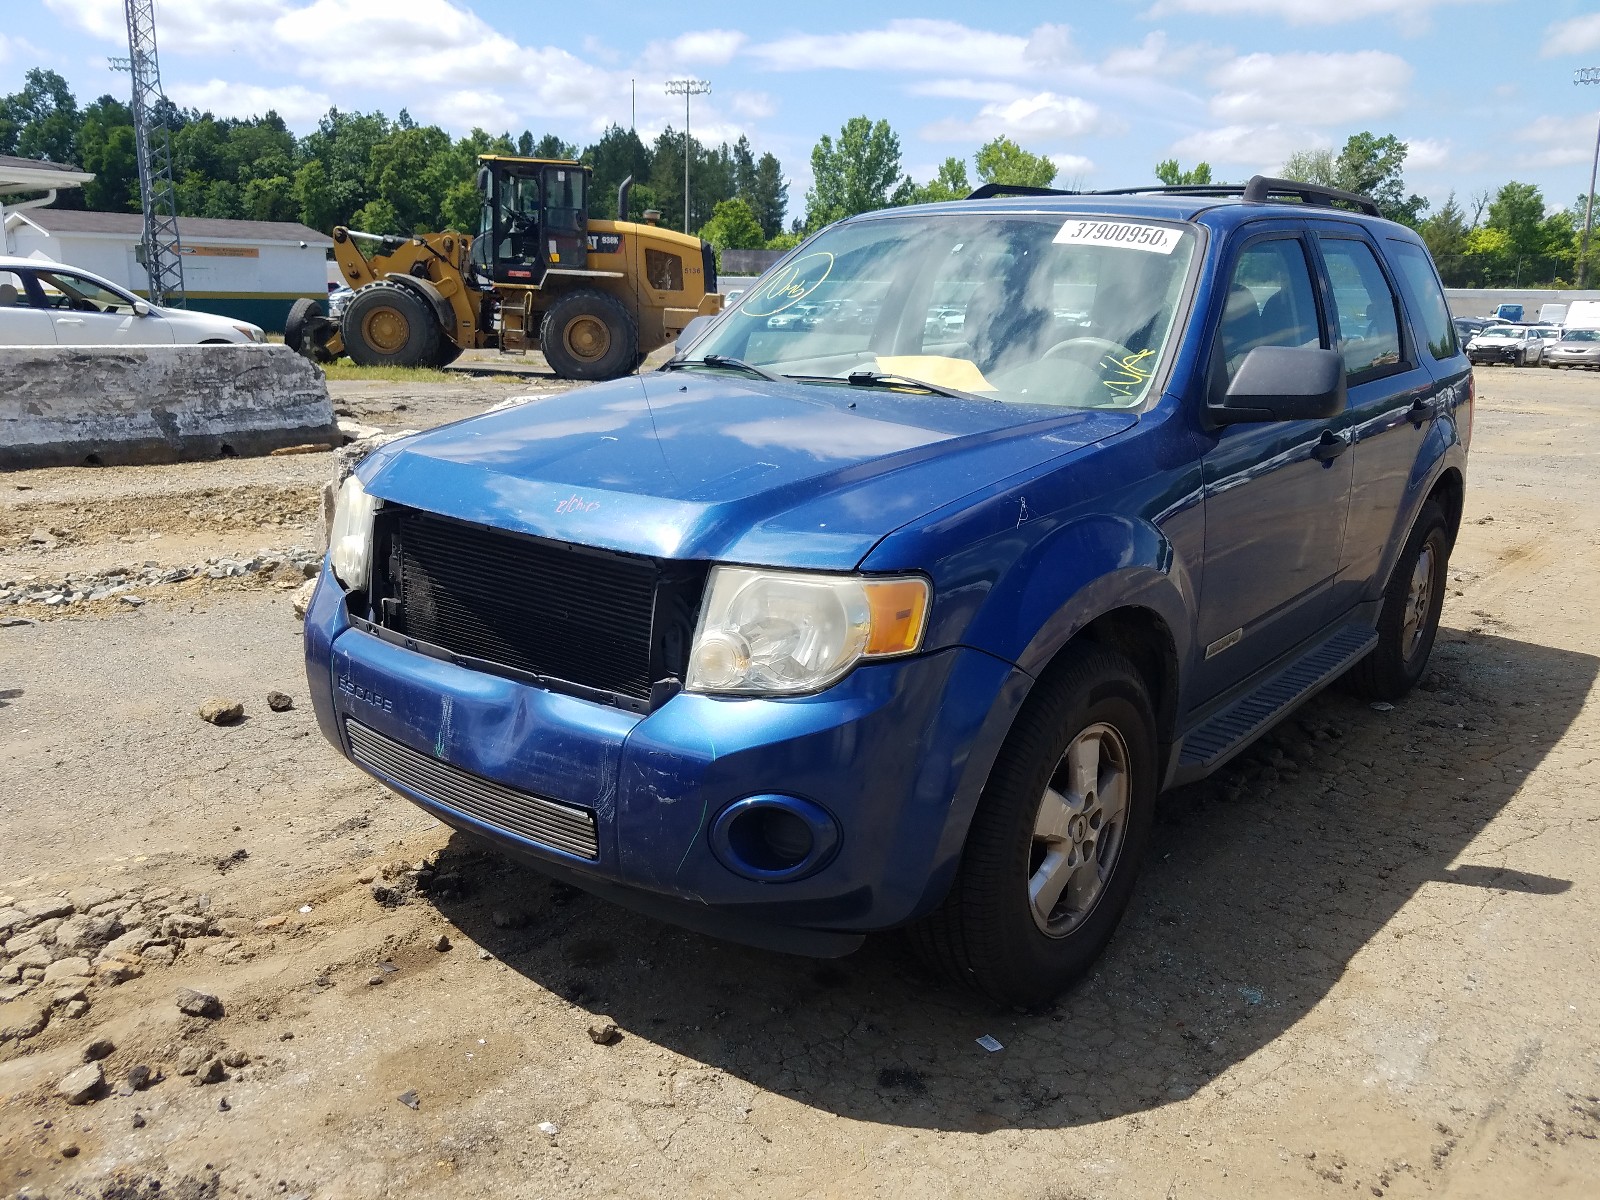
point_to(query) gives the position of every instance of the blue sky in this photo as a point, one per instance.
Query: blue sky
(1482, 91)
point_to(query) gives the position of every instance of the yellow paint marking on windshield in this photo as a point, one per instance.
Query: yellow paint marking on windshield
(1129, 374)
(791, 284)
(959, 373)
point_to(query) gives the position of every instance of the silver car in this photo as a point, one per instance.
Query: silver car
(1514, 344)
(1577, 348)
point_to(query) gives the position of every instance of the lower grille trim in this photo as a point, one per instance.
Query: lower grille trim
(553, 823)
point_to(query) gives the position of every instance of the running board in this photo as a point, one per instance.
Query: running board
(1223, 735)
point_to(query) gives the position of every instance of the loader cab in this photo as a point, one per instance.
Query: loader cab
(534, 218)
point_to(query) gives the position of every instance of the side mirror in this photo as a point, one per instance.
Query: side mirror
(1283, 383)
(141, 309)
(692, 330)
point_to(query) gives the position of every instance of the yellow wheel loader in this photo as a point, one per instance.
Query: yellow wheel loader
(594, 296)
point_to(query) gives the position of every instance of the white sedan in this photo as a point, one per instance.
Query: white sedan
(47, 304)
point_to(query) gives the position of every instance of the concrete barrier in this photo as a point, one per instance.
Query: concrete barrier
(118, 405)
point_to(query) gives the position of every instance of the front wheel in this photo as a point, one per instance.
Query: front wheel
(386, 325)
(589, 335)
(1057, 839)
(1409, 619)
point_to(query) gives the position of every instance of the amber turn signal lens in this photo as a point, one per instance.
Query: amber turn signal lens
(899, 612)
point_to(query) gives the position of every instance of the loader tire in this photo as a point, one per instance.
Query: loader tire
(385, 325)
(301, 313)
(448, 353)
(589, 335)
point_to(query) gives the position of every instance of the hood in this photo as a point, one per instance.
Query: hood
(710, 465)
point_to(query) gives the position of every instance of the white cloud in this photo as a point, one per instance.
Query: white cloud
(1314, 88)
(19, 49)
(1576, 36)
(1155, 58)
(295, 104)
(1263, 147)
(1566, 141)
(752, 105)
(709, 46)
(1045, 115)
(1305, 12)
(1426, 154)
(1070, 166)
(919, 44)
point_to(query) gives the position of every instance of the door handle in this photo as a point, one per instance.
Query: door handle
(69, 320)
(1330, 445)
(1421, 409)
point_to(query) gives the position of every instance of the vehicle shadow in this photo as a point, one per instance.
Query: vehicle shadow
(1261, 886)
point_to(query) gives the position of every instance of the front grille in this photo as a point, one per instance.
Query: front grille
(603, 622)
(548, 822)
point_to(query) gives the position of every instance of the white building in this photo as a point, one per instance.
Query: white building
(248, 270)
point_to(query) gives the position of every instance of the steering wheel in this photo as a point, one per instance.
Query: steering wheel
(1086, 348)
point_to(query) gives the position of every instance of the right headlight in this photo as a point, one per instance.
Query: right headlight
(789, 632)
(350, 539)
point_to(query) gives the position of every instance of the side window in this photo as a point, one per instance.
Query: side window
(13, 291)
(663, 270)
(1369, 318)
(1270, 301)
(77, 294)
(1421, 285)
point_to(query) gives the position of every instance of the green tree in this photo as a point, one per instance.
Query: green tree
(1312, 166)
(270, 199)
(106, 147)
(1445, 234)
(768, 197)
(859, 173)
(313, 192)
(949, 184)
(222, 201)
(1371, 166)
(377, 216)
(733, 227)
(1171, 174)
(618, 154)
(1003, 161)
(40, 121)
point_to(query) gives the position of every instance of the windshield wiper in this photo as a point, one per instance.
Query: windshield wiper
(723, 361)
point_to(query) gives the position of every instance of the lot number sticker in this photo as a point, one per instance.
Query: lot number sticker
(1158, 239)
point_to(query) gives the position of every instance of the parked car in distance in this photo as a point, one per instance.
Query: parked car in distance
(1577, 348)
(1467, 326)
(47, 304)
(819, 631)
(1514, 344)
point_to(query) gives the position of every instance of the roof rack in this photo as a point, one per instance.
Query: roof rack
(1259, 190)
(986, 191)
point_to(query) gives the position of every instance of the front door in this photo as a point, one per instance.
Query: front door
(86, 313)
(566, 218)
(1276, 492)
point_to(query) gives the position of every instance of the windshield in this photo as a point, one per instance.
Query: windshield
(1581, 335)
(1501, 332)
(1026, 308)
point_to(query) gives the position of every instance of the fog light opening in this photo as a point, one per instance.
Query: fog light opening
(770, 839)
(774, 838)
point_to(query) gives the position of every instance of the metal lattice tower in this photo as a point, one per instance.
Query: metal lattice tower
(163, 252)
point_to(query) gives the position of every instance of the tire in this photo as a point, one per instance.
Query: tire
(294, 326)
(1408, 622)
(987, 933)
(589, 335)
(385, 325)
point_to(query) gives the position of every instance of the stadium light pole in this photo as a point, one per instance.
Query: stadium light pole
(687, 88)
(1588, 75)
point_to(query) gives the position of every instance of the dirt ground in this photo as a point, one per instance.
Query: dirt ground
(1361, 963)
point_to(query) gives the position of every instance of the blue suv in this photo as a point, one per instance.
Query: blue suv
(902, 616)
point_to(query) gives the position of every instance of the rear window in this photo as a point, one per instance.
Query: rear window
(1425, 297)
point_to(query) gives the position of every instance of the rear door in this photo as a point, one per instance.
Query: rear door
(1393, 399)
(1276, 491)
(23, 319)
(85, 313)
